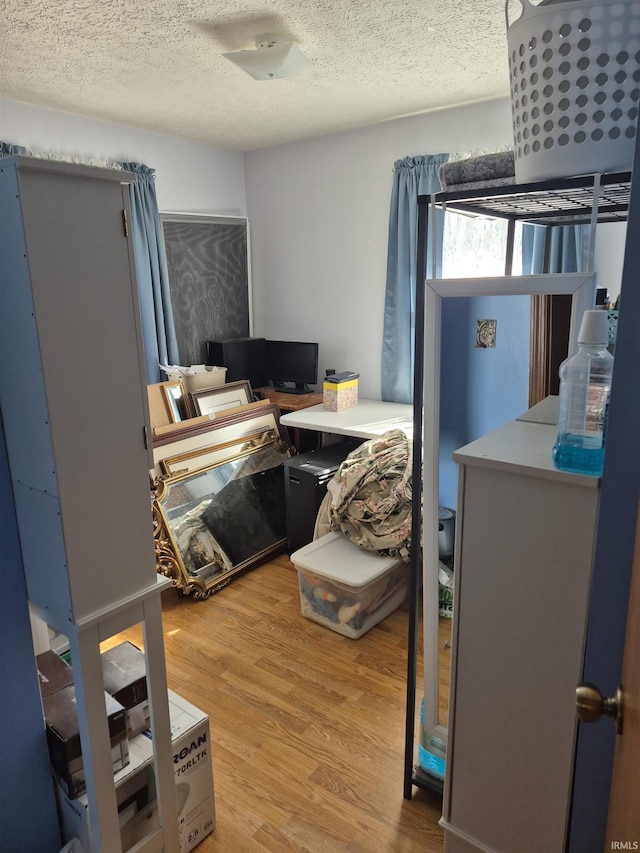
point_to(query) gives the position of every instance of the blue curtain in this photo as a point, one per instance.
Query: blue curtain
(569, 246)
(413, 176)
(158, 330)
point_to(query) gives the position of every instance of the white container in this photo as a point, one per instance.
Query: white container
(346, 588)
(573, 70)
(210, 377)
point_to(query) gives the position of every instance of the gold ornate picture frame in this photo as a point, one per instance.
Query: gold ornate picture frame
(195, 436)
(223, 517)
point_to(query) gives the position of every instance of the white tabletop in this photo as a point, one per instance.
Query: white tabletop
(369, 419)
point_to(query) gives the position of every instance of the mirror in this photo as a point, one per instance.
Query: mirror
(437, 631)
(214, 522)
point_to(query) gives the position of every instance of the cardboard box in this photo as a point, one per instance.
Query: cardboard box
(53, 673)
(135, 797)
(124, 672)
(135, 786)
(346, 588)
(193, 767)
(63, 737)
(340, 391)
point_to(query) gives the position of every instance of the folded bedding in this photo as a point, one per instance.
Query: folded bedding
(487, 170)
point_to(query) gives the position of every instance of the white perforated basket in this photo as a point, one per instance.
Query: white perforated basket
(575, 85)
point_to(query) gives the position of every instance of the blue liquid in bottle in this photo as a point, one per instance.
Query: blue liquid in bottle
(431, 750)
(579, 453)
(583, 408)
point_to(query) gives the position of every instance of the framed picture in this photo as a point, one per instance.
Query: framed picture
(211, 401)
(195, 460)
(176, 401)
(220, 520)
(187, 448)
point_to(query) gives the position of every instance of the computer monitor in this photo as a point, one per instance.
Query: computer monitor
(293, 362)
(243, 358)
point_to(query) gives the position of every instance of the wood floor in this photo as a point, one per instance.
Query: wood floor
(307, 725)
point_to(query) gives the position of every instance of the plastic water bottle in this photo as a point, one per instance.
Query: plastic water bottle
(431, 750)
(585, 385)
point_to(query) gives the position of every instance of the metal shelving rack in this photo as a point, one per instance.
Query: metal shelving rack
(589, 200)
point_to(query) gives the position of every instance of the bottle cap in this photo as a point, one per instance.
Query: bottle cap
(594, 328)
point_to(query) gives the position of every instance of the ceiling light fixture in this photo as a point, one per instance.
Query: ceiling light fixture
(271, 59)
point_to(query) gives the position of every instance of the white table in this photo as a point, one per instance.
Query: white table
(369, 419)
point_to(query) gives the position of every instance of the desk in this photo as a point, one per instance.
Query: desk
(303, 440)
(290, 402)
(369, 419)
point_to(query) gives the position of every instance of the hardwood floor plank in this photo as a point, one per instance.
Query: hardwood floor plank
(307, 725)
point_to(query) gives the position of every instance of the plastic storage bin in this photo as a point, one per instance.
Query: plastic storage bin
(346, 588)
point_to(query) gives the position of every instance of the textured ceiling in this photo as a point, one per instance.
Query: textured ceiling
(157, 64)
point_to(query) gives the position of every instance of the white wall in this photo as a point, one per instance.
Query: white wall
(190, 177)
(319, 213)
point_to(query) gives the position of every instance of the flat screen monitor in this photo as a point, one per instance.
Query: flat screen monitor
(292, 363)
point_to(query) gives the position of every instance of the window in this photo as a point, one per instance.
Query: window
(476, 246)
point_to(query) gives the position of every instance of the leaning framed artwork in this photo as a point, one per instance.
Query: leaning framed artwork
(212, 401)
(217, 521)
(204, 457)
(176, 401)
(173, 452)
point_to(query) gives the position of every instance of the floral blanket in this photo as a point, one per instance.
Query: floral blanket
(369, 498)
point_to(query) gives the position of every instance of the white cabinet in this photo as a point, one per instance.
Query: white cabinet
(74, 407)
(72, 387)
(525, 537)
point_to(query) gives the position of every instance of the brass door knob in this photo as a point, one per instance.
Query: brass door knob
(591, 705)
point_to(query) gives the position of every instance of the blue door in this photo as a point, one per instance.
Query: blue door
(613, 553)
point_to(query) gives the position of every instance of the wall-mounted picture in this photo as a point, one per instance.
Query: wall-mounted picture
(212, 401)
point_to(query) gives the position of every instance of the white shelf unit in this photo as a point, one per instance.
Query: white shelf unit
(524, 553)
(74, 407)
(580, 200)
